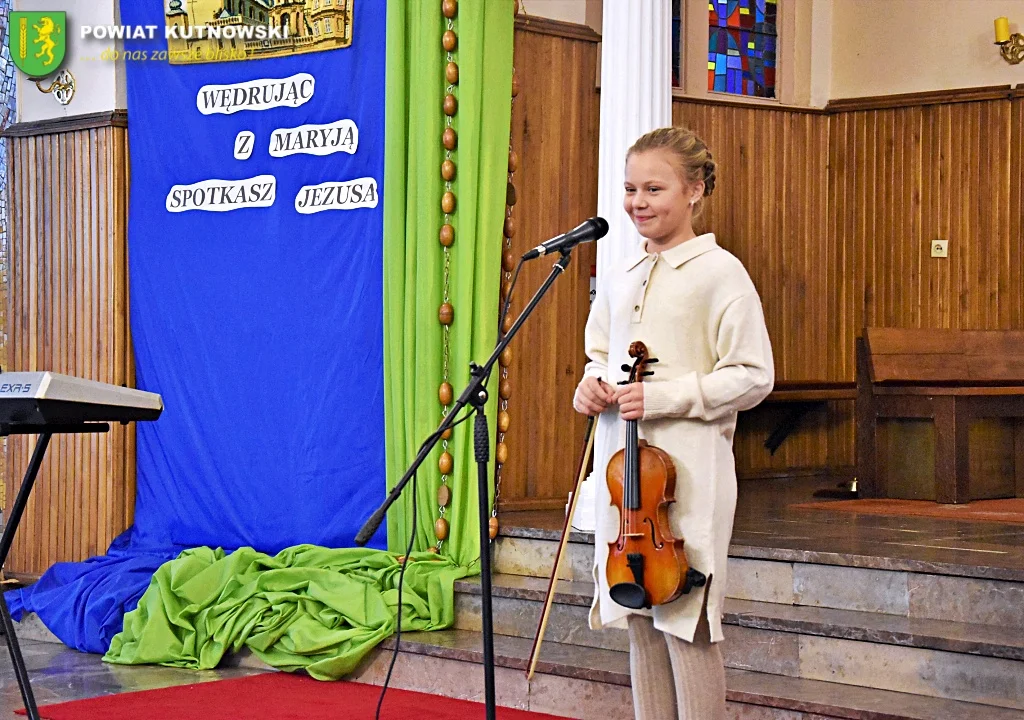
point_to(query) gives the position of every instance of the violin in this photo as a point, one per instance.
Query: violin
(646, 564)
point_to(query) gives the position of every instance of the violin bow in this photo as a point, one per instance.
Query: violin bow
(588, 442)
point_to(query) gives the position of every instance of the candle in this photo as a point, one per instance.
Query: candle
(1002, 30)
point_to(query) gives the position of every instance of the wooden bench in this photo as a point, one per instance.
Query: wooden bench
(801, 397)
(920, 393)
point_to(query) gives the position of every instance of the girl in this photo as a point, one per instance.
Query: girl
(694, 306)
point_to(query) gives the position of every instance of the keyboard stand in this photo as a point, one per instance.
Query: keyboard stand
(45, 432)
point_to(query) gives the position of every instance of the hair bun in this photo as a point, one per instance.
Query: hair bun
(709, 176)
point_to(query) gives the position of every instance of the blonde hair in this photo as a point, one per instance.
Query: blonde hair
(693, 158)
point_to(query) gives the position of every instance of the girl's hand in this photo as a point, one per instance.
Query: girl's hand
(630, 399)
(593, 396)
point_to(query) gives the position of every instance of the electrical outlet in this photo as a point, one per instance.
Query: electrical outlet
(940, 248)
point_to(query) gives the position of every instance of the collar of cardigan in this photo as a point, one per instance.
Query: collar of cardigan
(681, 253)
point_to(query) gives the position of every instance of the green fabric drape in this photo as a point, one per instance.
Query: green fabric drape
(413, 257)
(307, 607)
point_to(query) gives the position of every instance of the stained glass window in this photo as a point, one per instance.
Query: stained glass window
(677, 26)
(742, 40)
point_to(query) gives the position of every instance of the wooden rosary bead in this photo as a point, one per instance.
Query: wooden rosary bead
(515, 84)
(447, 434)
(506, 325)
(449, 139)
(448, 40)
(451, 105)
(432, 549)
(448, 170)
(492, 527)
(444, 495)
(445, 462)
(504, 421)
(447, 235)
(506, 288)
(444, 393)
(451, 73)
(506, 357)
(510, 195)
(513, 161)
(505, 389)
(446, 313)
(449, 8)
(441, 529)
(508, 261)
(501, 453)
(510, 228)
(448, 202)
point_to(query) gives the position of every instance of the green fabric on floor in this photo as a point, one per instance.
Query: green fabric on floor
(308, 607)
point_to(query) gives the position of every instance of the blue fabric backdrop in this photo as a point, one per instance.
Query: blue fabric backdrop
(261, 328)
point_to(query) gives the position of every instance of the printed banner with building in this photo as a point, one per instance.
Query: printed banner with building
(255, 268)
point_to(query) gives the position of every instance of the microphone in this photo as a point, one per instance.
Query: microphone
(592, 229)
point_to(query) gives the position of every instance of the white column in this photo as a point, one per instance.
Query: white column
(636, 96)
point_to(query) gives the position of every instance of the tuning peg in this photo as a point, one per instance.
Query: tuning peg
(651, 360)
(623, 382)
(647, 373)
(626, 367)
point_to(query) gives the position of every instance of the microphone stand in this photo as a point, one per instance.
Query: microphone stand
(475, 394)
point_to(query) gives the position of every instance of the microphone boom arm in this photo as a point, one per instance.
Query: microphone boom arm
(474, 393)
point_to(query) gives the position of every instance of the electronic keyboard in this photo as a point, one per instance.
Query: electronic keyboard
(48, 398)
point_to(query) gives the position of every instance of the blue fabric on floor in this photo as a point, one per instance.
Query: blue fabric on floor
(84, 603)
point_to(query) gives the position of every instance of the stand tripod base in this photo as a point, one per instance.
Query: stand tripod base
(20, 671)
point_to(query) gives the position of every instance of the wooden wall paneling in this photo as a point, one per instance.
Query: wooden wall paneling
(1015, 214)
(124, 452)
(833, 213)
(68, 313)
(555, 134)
(770, 209)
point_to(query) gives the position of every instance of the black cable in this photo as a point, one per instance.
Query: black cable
(508, 301)
(401, 574)
(401, 578)
(508, 298)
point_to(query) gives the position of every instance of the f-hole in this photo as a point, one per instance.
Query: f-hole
(654, 537)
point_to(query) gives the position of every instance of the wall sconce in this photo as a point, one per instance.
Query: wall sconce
(62, 88)
(1011, 47)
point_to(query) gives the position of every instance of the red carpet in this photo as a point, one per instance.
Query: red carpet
(1010, 510)
(274, 696)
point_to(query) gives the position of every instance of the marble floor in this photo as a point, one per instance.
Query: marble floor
(60, 674)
